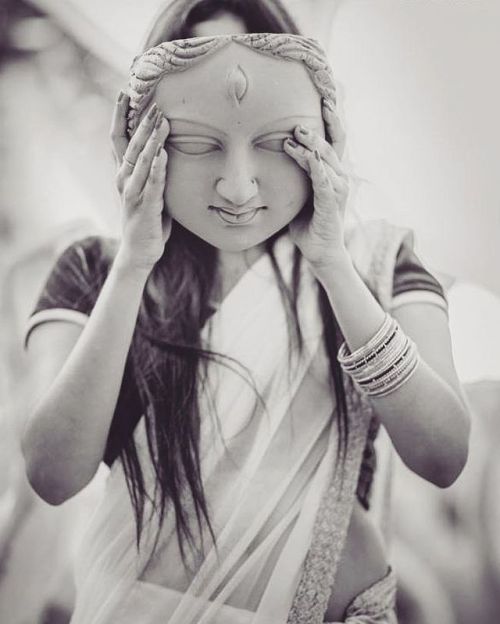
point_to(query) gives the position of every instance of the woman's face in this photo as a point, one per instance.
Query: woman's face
(228, 179)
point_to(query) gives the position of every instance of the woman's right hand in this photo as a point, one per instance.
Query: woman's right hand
(140, 181)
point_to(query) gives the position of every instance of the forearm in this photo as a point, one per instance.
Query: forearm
(423, 416)
(66, 433)
(428, 425)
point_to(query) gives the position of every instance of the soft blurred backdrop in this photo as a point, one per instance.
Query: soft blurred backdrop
(420, 93)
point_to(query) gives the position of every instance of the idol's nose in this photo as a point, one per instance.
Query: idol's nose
(238, 184)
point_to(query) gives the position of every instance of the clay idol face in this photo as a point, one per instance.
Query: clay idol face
(229, 180)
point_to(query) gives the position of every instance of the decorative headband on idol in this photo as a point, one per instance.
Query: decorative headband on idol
(176, 56)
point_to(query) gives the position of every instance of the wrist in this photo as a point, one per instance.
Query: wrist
(127, 267)
(332, 266)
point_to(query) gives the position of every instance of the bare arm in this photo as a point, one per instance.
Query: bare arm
(426, 418)
(77, 381)
(78, 373)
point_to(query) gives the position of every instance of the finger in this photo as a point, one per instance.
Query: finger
(134, 176)
(338, 179)
(312, 163)
(155, 185)
(141, 171)
(322, 186)
(118, 133)
(328, 186)
(313, 141)
(298, 152)
(302, 156)
(325, 199)
(141, 135)
(333, 127)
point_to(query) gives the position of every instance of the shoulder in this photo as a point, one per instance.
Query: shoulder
(82, 265)
(77, 275)
(413, 282)
(385, 257)
(89, 256)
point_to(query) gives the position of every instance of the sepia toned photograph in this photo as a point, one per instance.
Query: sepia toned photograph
(249, 312)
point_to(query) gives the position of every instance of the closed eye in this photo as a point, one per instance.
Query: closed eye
(273, 143)
(192, 145)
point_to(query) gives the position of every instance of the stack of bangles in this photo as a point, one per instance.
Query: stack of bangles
(384, 363)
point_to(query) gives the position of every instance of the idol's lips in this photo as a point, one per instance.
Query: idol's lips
(234, 217)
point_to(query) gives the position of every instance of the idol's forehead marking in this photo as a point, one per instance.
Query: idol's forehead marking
(237, 84)
(176, 56)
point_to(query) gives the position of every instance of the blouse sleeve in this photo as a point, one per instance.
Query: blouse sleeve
(73, 285)
(412, 282)
(69, 294)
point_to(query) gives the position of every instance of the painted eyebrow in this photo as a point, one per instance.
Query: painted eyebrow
(197, 123)
(270, 126)
(262, 130)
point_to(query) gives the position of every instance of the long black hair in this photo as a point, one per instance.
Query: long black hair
(179, 17)
(167, 355)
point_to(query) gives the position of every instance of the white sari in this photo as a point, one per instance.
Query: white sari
(278, 505)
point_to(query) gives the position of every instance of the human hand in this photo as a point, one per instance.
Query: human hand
(320, 236)
(140, 181)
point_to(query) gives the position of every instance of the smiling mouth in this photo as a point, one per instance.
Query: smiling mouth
(233, 218)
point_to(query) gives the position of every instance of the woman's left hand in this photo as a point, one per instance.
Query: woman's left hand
(320, 237)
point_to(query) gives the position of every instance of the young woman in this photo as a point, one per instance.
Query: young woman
(198, 355)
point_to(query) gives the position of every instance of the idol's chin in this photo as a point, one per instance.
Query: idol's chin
(234, 239)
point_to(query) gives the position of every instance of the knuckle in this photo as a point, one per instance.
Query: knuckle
(133, 144)
(131, 157)
(334, 161)
(116, 136)
(119, 180)
(310, 140)
(128, 194)
(323, 180)
(138, 139)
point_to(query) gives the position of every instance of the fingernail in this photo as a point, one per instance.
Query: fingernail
(159, 120)
(317, 155)
(292, 143)
(153, 111)
(303, 130)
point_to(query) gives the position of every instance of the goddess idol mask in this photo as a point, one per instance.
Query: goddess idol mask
(231, 101)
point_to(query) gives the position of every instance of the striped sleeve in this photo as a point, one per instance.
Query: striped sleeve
(69, 294)
(74, 283)
(413, 283)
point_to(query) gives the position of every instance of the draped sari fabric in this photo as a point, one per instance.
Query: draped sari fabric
(278, 500)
